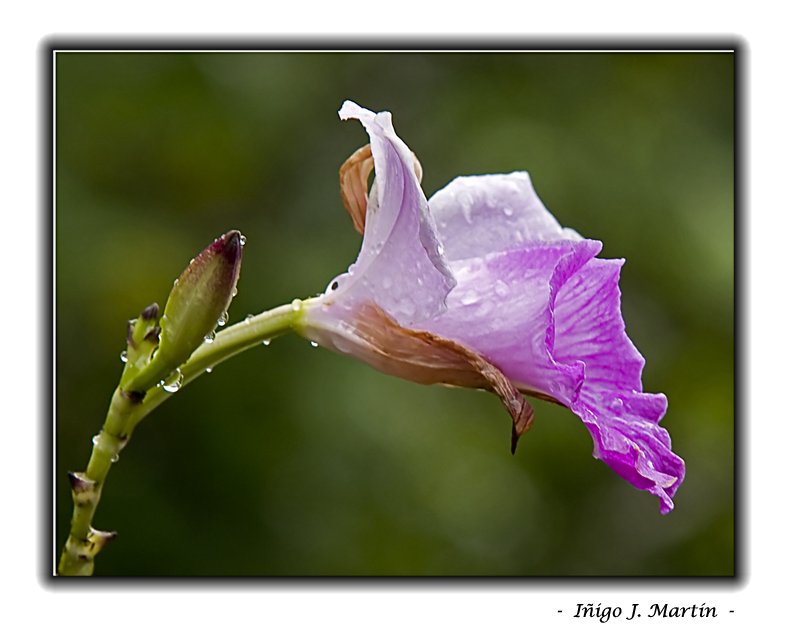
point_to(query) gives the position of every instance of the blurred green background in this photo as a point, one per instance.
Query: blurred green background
(291, 460)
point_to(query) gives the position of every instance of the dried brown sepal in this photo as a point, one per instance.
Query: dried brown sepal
(354, 183)
(150, 313)
(426, 358)
(79, 483)
(99, 539)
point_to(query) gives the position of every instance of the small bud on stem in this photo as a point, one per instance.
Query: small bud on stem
(198, 300)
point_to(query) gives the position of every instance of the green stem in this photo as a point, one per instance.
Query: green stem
(125, 412)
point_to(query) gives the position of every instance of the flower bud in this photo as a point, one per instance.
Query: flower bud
(196, 306)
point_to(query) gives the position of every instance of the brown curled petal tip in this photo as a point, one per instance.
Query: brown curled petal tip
(354, 183)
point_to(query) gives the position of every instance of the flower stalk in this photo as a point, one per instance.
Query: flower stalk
(127, 409)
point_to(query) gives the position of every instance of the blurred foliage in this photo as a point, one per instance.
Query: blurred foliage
(290, 460)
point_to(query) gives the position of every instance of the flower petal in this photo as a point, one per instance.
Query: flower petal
(478, 215)
(502, 307)
(623, 421)
(627, 437)
(398, 234)
(548, 316)
(354, 183)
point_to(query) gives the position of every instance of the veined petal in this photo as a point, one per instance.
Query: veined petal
(478, 215)
(398, 234)
(502, 307)
(627, 437)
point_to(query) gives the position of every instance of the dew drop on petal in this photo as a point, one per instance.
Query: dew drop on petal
(248, 318)
(470, 297)
(266, 342)
(501, 288)
(209, 369)
(508, 211)
(124, 356)
(297, 305)
(115, 458)
(223, 319)
(242, 239)
(314, 344)
(235, 292)
(332, 285)
(210, 337)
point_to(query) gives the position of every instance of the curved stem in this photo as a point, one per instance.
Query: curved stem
(125, 412)
(231, 341)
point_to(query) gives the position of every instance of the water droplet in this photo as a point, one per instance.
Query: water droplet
(172, 384)
(242, 239)
(266, 342)
(96, 439)
(440, 250)
(501, 288)
(210, 337)
(175, 282)
(508, 211)
(124, 356)
(314, 344)
(223, 319)
(234, 292)
(209, 369)
(297, 305)
(332, 285)
(115, 458)
(470, 297)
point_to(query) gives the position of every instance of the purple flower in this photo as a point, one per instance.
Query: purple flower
(481, 287)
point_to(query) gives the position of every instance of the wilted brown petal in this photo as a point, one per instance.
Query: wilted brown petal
(354, 183)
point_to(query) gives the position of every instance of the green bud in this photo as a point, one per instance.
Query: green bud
(195, 307)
